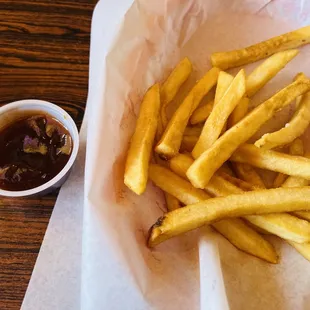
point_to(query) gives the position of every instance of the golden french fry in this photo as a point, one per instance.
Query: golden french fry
(292, 130)
(209, 211)
(176, 186)
(279, 224)
(226, 60)
(239, 112)
(139, 153)
(302, 248)
(201, 113)
(283, 225)
(237, 232)
(249, 174)
(204, 167)
(223, 82)
(193, 131)
(170, 142)
(258, 229)
(292, 181)
(271, 160)
(218, 185)
(246, 239)
(245, 186)
(172, 85)
(172, 202)
(220, 113)
(267, 70)
(188, 143)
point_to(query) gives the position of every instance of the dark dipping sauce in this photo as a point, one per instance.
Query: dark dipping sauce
(33, 150)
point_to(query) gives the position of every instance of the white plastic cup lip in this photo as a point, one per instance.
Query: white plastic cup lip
(64, 118)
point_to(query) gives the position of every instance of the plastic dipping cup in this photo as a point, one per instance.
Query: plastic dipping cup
(17, 109)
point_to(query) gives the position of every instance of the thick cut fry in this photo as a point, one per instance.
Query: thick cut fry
(271, 160)
(172, 202)
(295, 182)
(249, 203)
(201, 113)
(302, 248)
(246, 239)
(172, 85)
(267, 70)
(170, 142)
(171, 183)
(279, 180)
(204, 167)
(188, 143)
(220, 113)
(292, 130)
(283, 225)
(241, 236)
(239, 112)
(136, 170)
(249, 174)
(226, 60)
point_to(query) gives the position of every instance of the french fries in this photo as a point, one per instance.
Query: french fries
(226, 60)
(220, 113)
(201, 113)
(209, 211)
(172, 85)
(283, 225)
(218, 185)
(292, 130)
(267, 70)
(235, 231)
(242, 208)
(171, 183)
(204, 166)
(139, 153)
(275, 161)
(170, 142)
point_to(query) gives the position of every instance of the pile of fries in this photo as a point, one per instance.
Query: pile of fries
(202, 160)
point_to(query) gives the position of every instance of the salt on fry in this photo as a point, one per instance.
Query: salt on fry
(204, 167)
(139, 153)
(231, 59)
(170, 142)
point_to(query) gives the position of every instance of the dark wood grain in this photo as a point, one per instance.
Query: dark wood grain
(44, 54)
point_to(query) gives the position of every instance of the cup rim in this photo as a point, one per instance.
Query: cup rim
(75, 138)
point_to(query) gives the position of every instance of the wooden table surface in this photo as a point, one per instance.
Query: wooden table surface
(44, 54)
